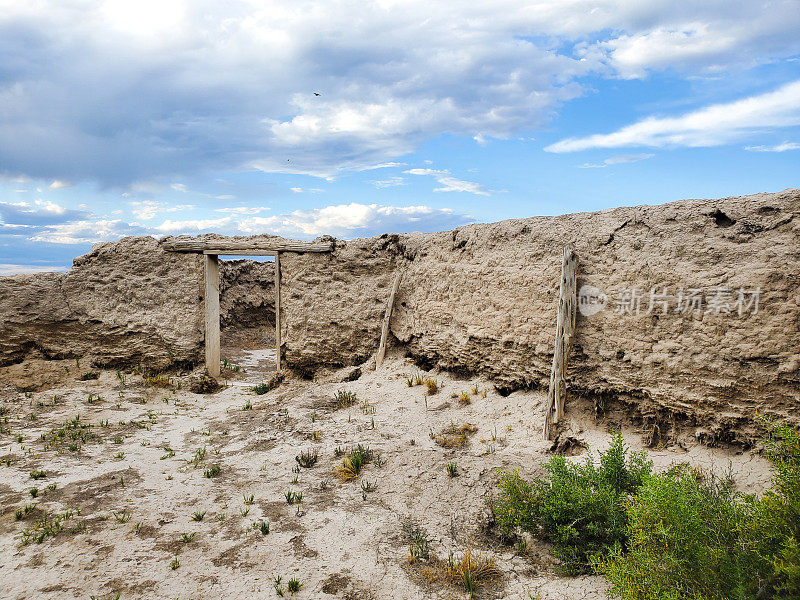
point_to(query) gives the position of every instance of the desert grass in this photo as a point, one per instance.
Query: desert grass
(454, 436)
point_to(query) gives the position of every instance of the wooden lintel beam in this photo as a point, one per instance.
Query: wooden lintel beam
(217, 247)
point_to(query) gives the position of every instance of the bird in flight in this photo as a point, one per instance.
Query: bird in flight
(316, 94)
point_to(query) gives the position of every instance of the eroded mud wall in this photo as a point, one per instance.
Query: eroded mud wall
(483, 299)
(123, 303)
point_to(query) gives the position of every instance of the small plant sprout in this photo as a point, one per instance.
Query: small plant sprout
(344, 398)
(263, 527)
(248, 499)
(175, 563)
(38, 475)
(198, 516)
(307, 458)
(278, 586)
(122, 517)
(464, 399)
(432, 386)
(323, 485)
(369, 486)
(418, 544)
(119, 455)
(187, 537)
(34, 492)
(248, 405)
(293, 585)
(213, 471)
(293, 497)
(244, 511)
(452, 469)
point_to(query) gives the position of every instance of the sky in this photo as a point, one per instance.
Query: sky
(355, 118)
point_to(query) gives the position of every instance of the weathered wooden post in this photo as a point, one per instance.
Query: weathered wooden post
(278, 310)
(212, 314)
(386, 318)
(565, 330)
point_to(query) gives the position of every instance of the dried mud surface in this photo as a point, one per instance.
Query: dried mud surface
(136, 482)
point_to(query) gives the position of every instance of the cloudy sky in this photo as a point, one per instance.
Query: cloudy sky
(351, 118)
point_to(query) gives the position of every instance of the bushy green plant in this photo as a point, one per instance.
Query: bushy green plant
(685, 542)
(694, 538)
(580, 507)
(776, 526)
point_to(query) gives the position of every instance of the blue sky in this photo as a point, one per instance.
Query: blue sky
(352, 118)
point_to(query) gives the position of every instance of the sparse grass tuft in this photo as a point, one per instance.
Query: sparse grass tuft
(198, 516)
(351, 466)
(38, 475)
(293, 497)
(432, 385)
(248, 499)
(418, 542)
(293, 585)
(307, 458)
(344, 398)
(175, 563)
(187, 537)
(263, 526)
(471, 569)
(464, 399)
(454, 436)
(212, 471)
(452, 469)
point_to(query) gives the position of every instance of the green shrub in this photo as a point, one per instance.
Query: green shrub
(776, 526)
(685, 543)
(692, 538)
(578, 507)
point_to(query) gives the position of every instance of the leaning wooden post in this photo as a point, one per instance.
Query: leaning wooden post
(278, 310)
(386, 318)
(212, 314)
(565, 330)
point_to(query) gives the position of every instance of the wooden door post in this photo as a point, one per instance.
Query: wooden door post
(278, 310)
(212, 314)
(565, 330)
(386, 318)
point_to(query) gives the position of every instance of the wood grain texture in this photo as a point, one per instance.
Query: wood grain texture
(212, 314)
(565, 331)
(217, 247)
(386, 318)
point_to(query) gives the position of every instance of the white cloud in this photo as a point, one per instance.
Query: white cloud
(302, 190)
(148, 209)
(618, 159)
(58, 184)
(179, 187)
(10, 269)
(784, 147)
(86, 232)
(195, 225)
(392, 76)
(390, 182)
(710, 126)
(354, 219)
(242, 210)
(384, 166)
(450, 183)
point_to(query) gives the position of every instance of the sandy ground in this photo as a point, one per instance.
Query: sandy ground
(134, 486)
